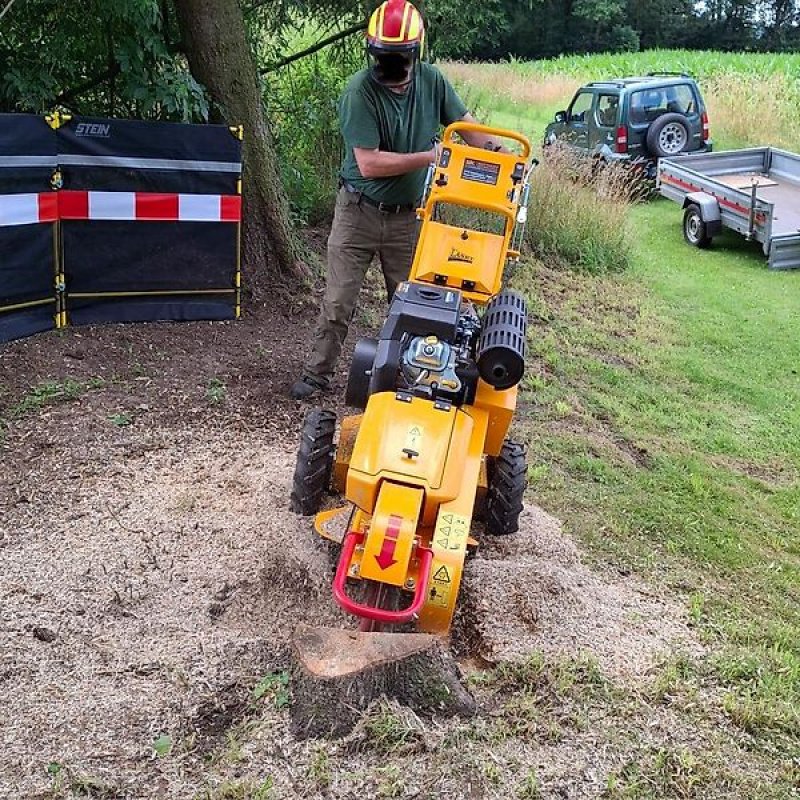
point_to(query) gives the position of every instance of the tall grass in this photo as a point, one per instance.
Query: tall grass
(577, 218)
(702, 64)
(754, 112)
(509, 85)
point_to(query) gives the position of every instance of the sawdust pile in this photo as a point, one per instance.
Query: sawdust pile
(144, 591)
(531, 592)
(148, 581)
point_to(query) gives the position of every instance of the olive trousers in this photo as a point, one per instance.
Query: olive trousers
(360, 231)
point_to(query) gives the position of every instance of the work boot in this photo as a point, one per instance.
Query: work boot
(307, 387)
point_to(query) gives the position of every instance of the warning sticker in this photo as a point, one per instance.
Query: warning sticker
(451, 532)
(442, 575)
(414, 438)
(480, 171)
(438, 597)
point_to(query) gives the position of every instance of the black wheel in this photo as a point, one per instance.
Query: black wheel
(507, 481)
(668, 136)
(695, 231)
(312, 473)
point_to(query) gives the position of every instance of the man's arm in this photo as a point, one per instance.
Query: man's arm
(384, 164)
(476, 139)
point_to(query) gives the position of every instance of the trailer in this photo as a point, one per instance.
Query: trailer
(755, 192)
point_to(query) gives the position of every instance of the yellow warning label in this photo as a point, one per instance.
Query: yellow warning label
(439, 597)
(449, 545)
(414, 438)
(441, 575)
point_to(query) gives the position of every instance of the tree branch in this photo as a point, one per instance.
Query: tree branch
(5, 10)
(315, 47)
(91, 83)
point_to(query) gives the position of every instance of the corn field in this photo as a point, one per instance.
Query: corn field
(702, 64)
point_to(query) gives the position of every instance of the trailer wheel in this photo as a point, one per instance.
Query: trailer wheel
(312, 473)
(695, 231)
(507, 481)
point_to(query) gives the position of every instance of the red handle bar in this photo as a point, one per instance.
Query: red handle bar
(382, 615)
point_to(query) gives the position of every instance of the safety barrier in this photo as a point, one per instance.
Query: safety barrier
(117, 221)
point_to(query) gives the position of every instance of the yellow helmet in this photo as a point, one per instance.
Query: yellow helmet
(395, 27)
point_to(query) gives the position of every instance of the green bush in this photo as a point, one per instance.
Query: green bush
(302, 101)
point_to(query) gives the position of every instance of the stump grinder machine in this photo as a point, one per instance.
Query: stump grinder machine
(438, 388)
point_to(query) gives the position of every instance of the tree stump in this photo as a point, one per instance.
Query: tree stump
(337, 674)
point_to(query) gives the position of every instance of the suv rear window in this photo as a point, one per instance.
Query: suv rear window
(648, 104)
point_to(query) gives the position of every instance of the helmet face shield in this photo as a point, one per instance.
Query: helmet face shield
(393, 68)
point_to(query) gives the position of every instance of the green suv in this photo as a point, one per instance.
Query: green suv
(636, 120)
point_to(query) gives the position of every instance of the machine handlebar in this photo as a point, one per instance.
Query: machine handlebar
(381, 615)
(475, 127)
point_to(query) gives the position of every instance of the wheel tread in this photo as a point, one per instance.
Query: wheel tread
(507, 484)
(312, 474)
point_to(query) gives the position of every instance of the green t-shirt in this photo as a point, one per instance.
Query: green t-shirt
(373, 116)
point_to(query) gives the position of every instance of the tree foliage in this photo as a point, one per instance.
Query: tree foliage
(96, 57)
(497, 29)
(128, 58)
(125, 57)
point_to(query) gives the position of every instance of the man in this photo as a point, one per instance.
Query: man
(390, 115)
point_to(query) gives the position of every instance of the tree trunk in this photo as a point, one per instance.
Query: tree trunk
(337, 674)
(220, 58)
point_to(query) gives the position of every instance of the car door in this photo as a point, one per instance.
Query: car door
(578, 120)
(603, 125)
(682, 99)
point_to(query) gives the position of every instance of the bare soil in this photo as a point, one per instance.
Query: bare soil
(151, 575)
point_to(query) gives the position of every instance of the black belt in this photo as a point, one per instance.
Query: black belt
(384, 208)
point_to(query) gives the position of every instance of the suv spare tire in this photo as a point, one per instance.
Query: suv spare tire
(668, 136)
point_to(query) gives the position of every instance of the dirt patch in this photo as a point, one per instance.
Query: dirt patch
(169, 573)
(151, 575)
(776, 474)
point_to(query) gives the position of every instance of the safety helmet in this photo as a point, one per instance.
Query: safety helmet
(395, 27)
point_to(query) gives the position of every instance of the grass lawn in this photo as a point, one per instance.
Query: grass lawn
(663, 423)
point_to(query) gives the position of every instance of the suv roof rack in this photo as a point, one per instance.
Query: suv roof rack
(616, 83)
(668, 75)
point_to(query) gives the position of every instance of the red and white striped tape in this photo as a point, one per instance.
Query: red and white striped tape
(28, 209)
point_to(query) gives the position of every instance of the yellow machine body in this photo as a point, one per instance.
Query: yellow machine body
(435, 510)
(411, 443)
(413, 468)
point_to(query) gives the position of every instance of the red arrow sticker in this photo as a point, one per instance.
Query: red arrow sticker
(386, 557)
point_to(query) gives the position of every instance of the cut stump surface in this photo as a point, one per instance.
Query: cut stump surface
(337, 674)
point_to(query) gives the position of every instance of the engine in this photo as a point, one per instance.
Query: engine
(434, 345)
